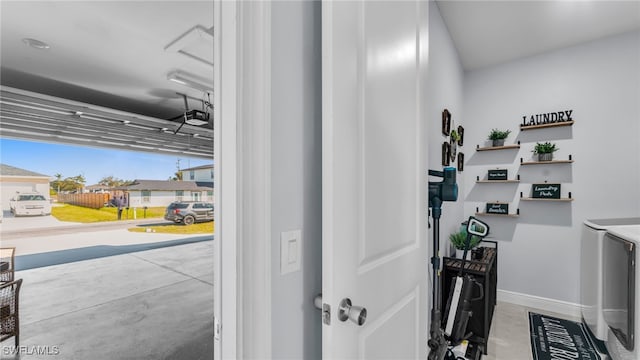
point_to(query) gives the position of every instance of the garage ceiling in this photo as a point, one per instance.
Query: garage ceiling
(112, 59)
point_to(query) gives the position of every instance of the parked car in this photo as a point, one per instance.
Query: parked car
(30, 204)
(189, 212)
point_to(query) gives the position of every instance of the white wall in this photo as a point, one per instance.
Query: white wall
(163, 198)
(296, 175)
(600, 82)
(444, 90)
(198, 175)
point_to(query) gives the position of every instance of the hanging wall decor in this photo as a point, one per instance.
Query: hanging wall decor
(453, 148)
(460, 135)
(446, 122)
(445, 153)
(460, 161)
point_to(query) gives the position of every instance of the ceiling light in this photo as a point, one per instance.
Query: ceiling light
(126, 122)
(187, 80)
(196, 43)
(37, 44)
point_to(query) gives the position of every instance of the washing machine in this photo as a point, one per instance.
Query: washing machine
(621, 287)
(593, 232)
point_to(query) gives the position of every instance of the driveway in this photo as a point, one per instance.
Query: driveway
(45, 241)
(9, 222)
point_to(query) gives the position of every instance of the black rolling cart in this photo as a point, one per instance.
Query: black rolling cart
(485, 270)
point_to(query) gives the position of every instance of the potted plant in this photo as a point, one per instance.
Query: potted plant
(498, 136)
(545, 151)
(458, 240)
(455, 137)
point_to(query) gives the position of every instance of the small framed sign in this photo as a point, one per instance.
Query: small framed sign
(499, 174)
(446, 150)
(446, 122)
(545, 191)
(460, 161)
(498, 208)
(461, 134)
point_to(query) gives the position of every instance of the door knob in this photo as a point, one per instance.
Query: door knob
(357, 314)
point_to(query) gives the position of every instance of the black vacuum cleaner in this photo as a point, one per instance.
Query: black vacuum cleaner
(447, 190)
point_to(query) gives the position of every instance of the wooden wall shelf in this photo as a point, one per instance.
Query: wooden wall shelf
(546, 162)
(542, 126)
(536, 199)
(498, 215)
(497, 181)
(491, 148)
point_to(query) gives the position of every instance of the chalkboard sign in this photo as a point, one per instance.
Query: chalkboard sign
(498, 208)
(500, 174)
(545, 191)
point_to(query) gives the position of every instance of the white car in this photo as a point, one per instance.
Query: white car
(30, 204)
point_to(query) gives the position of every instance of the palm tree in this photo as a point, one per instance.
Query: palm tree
(58, 177)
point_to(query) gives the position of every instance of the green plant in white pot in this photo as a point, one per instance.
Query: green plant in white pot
(458, 240)
(497, 136)
(545, 151)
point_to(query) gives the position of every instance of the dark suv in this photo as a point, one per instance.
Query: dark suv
(189, 212)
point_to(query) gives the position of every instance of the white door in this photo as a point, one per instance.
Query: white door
(375, 177)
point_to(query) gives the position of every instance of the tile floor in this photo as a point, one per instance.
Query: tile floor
(509, 335)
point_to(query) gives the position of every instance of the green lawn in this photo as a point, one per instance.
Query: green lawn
(198, 228)
(66, 212)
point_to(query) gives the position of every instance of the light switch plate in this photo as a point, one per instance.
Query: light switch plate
(290, 251)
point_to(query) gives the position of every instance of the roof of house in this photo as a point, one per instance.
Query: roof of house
(201, 167)
(166, 185)
(97, 186)
(8, 170)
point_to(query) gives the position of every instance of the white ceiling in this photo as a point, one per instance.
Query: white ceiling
(491, 32)
(111, 54)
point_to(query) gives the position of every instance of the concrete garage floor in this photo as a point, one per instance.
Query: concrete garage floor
(155, 304)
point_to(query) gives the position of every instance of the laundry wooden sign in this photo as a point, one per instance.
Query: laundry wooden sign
(545, 191)
(497, 208)
(547, 118)
(499, 174)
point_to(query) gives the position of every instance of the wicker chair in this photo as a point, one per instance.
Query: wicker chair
(9, 315)
(7, 266)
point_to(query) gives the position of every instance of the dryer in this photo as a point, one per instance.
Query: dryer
(591, 272)
(621, 299)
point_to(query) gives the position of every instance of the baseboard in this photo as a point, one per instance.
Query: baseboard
(556, 306)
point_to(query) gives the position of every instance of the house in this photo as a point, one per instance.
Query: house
(14, 180)
(198, 173)
(163, 192)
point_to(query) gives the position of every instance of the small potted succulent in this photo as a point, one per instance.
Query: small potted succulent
(498, 136)
(458, 240)
(545, 151)
(453, 143)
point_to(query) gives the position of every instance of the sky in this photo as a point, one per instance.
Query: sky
(93, 163)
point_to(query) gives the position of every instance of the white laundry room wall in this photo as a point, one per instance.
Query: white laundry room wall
(599, 81)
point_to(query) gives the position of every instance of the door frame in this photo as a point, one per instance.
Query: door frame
(243, 85)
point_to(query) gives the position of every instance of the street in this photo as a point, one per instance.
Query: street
(45, 241)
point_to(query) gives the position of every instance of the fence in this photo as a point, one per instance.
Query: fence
(94, 201)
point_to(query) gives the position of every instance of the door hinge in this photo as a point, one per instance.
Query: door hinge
(217, 328)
